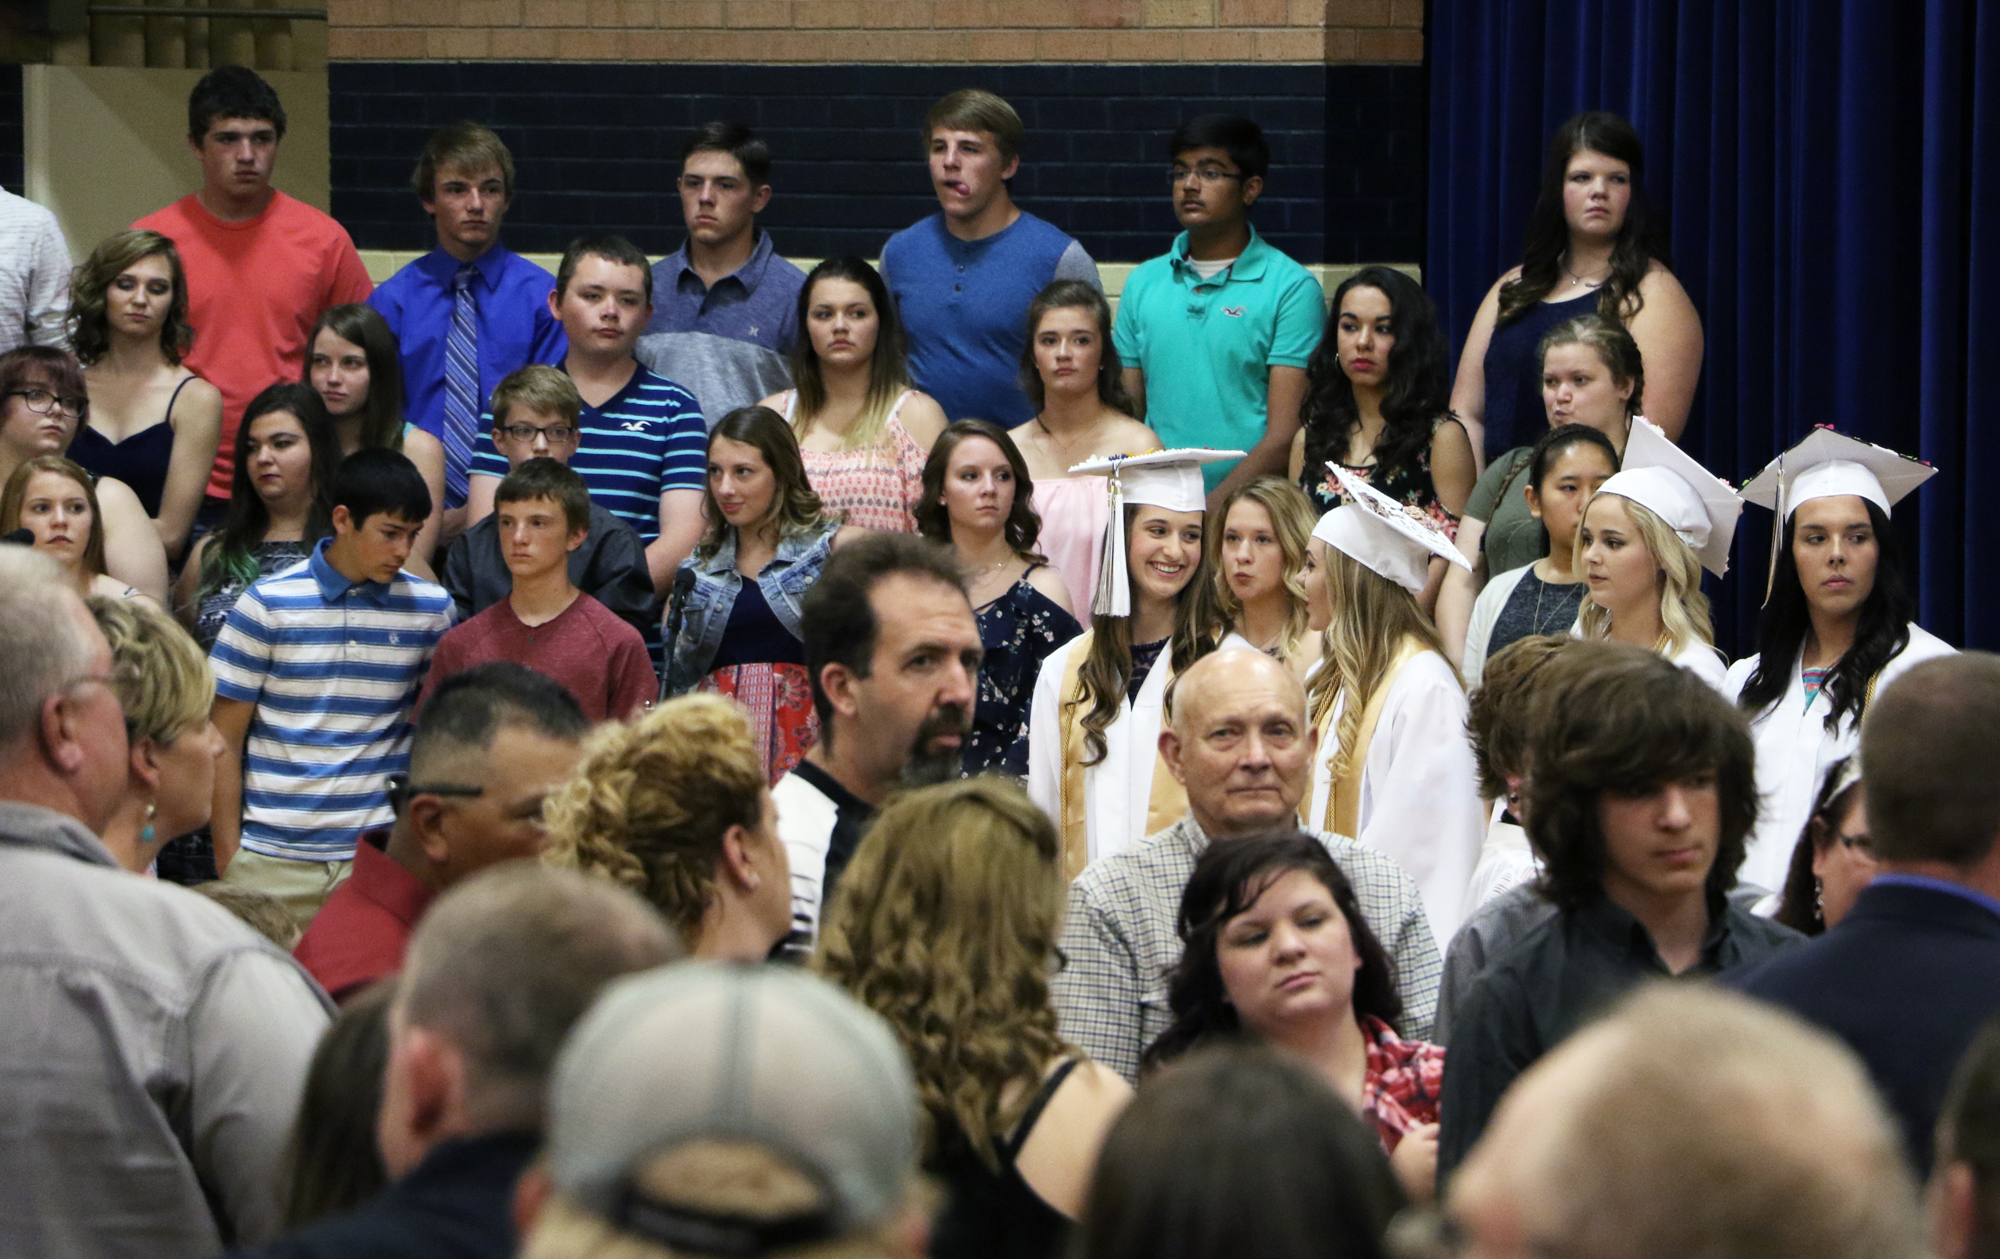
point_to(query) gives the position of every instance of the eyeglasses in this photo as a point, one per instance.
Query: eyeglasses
(1204, 174)
(42, 402)
(556, 433)
(400, 790)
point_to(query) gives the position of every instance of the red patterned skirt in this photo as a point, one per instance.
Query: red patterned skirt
(777, 698)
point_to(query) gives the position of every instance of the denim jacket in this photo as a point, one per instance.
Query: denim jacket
(700, 609)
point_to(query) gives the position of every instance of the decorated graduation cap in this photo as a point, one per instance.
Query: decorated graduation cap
(1170, 479)
(1696, 504)
(1377, 532)
(1825, 465)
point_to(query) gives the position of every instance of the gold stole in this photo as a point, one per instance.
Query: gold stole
(1169, 799)
(1343, 798)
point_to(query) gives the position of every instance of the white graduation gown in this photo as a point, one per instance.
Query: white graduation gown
(1794, 750)
(1118, 788)
(1419, 787)
(1705, 662)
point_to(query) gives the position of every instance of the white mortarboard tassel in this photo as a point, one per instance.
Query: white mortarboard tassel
(1169, 479)
(1827, 464)
(1695, 503)
(1382, 535)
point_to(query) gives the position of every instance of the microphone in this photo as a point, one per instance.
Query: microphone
(22, 537)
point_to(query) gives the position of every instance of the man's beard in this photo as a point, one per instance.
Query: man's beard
(927, 766)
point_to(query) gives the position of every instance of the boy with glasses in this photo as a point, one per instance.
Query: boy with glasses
(1216, 333)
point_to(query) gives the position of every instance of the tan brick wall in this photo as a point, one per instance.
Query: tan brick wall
(878, 31)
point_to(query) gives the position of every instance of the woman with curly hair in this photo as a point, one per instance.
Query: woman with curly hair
(1377, 394)
(1256, 594)
(1593, 245)
(153, 423)
(977, 502)
(1275, 947)
(945, 924)
(673, 805)
(733, 618)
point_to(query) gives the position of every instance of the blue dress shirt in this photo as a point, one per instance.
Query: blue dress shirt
(515, 326)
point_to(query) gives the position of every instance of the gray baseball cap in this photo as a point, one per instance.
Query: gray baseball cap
(726, 1051)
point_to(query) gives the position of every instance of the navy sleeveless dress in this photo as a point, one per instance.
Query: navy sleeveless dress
(1514, 412)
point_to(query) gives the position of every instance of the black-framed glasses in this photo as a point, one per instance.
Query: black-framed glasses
(1204, 174)
(557, 433)
(42, 402)
(401, 789)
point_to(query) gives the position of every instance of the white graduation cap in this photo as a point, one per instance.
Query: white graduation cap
(1162, 478)
(1383, 535)
(1695, 503)
(1827, 464)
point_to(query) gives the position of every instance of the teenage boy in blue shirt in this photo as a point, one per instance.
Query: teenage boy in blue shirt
(964, 277)
(1215, 335)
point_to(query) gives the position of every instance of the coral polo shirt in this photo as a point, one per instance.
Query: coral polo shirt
(359, 935)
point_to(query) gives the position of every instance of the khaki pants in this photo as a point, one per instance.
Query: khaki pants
(300, 886)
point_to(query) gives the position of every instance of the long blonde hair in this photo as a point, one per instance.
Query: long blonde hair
(651, 799)
(1684, 618)
(945, 924)
(1292, 521)
(1371, 617)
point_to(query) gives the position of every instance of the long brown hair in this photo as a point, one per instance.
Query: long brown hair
(16, 493)
(1024, 524)
(1077, 295)
(888, 365)
(363, 325)
(1638, 242)
(1106, 670)
(945, 924)
(794, 503)
(1292, 521)
(1371, 617)
(89, 315)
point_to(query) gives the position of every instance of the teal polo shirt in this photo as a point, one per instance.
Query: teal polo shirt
(1207, 346)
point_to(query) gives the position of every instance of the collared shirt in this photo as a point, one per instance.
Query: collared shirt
(458, 1203)
(333, 667)
(34, 275)
(514, 325)
(1401, 1083)
(646, 439)
(1946, 886)
(1120, 946)
(152, 1053)
(1207, 345)
(727, 341)
(820, 823)
(1561, 973)
(359, 935)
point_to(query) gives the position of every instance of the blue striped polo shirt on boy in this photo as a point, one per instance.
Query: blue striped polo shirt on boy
(1207, 346)
(333, 667)
(646, 439)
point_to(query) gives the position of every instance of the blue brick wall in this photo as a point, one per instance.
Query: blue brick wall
(598, 147)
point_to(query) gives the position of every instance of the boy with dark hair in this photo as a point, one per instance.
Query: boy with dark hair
(315, 673)
(541, 513)
(964, 277)
(1641, 796)
(726, 310)
(1215, 335)
(643, 447)
(261, 266)
(470, 311)
(536, 412)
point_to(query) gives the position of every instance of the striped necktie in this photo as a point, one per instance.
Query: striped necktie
(461, 384)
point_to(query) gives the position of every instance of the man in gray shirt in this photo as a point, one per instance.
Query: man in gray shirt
(153, 1047)
(1240, 743)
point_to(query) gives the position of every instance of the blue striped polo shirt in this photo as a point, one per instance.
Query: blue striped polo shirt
(333, 667)
(646, 439)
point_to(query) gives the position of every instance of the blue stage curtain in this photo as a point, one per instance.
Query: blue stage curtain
(1830, 171)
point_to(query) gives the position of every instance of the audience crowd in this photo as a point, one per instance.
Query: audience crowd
(625, 763)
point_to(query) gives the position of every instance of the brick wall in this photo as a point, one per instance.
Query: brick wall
(599, 147)
(908, 32)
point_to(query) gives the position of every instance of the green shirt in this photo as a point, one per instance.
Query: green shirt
(1207, 346)
(1513, 536)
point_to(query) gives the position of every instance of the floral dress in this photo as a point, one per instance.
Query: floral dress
(1019, 630)
(1408, 484)
(876, 488)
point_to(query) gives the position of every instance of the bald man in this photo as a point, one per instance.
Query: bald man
(1691, 1121)
(1238, 741)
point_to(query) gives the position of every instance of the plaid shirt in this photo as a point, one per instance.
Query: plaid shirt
(1401, 1084)
(1119, 944)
